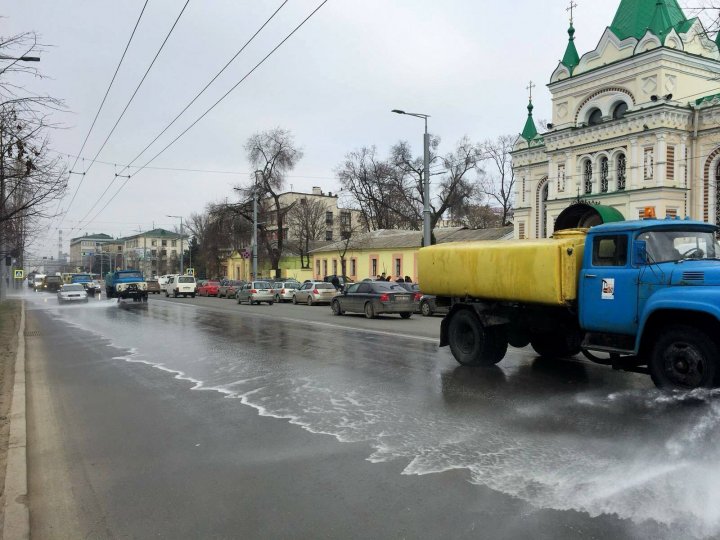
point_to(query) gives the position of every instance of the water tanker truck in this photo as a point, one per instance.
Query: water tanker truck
(641, 296)
(124, 284)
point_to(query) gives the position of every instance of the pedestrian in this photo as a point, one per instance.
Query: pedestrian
(382, 277)
(335, 282)
(408, 279)
(399, 280)
(379, 278)
(388, 278)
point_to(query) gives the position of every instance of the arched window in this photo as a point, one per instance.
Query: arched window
(621, 168)
(604, 175)
(587, 176)
(595, 117)
(620, 110)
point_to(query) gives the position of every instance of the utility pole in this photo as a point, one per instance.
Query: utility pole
(255, 225)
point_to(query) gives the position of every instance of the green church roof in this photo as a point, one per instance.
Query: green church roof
(635, 17)
(530, 131)
(571, 58)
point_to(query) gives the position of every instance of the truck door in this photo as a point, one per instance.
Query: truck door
(608, 287)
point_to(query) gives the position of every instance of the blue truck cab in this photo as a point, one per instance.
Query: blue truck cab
(87, 281)
(124, 284)
(649, 294)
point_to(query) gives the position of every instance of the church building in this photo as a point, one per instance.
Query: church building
(635, 124)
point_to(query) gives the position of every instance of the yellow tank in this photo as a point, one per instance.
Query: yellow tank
(529, 271)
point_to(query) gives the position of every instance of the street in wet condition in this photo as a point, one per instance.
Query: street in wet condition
(203, 418)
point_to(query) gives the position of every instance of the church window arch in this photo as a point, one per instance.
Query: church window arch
(619, 110)
(541, 199)
(595, 117)
(621, 93)
(604, 174)
(587, 176)
(621, 171)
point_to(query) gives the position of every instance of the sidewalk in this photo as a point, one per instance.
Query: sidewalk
(14, 521)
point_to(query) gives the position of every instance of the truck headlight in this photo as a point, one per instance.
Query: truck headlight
(121, 287)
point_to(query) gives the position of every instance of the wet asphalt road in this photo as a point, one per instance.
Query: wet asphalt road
(202, 418)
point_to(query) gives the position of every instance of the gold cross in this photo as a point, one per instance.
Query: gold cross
(573, 5)
(530, 87)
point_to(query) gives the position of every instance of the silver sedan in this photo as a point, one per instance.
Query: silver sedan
(72, 293)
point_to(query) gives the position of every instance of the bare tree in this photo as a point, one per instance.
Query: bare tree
(31, 179)
(272, 154)
(368, 181)
(306, 224)
(390, 194)
(498, 183)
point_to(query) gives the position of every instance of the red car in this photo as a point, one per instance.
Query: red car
(209, 288)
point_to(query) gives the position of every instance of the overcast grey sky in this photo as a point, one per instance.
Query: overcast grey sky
(465, 62)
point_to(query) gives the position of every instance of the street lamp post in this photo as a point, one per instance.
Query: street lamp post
(182, 253)
(255, 225)
(427, 233)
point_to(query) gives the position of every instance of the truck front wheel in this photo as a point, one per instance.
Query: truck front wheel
(473, 344)
(684, 358)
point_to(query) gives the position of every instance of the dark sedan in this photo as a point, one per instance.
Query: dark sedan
(428, 306)
(375, 298)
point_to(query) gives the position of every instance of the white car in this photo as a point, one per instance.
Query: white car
(162, 280)
(180, 285)
(38, 281)
(73, 292)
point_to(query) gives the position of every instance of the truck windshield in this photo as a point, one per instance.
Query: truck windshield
(133, 275)
(669, 246)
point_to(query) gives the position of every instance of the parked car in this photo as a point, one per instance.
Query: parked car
(73, 292)
(344, 280)
(375, 298)
(283, 290)
(314, 292)
(153, 286)
(228, 288)
(255, 292)
(428, 306)
(208, 288)
(180, 285)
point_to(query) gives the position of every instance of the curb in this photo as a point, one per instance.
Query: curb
(17, 514)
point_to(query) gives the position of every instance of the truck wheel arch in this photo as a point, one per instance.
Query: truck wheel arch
(478, 310)
(666, 317)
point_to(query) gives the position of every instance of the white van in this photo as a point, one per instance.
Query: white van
(180, 285)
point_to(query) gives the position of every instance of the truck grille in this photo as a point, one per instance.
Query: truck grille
(693, 276)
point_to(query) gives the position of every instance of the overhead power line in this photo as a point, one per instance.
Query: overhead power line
(102, 103)
(207, 111)
(194, 99)
(137, 89)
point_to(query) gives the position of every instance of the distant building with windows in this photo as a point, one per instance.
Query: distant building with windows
(339, 222)
(83, 248)
(155, 252)
(635, 123)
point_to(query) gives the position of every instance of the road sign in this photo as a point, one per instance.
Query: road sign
(189, 271)
(246, 254)
(19, 274)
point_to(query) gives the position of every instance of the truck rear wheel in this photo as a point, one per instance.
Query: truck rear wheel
(556, 345)
(473, 344)
(684, 358)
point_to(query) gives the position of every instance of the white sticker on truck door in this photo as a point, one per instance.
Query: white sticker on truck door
(608, 289)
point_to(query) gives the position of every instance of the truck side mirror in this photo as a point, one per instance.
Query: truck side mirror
(640, 252)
